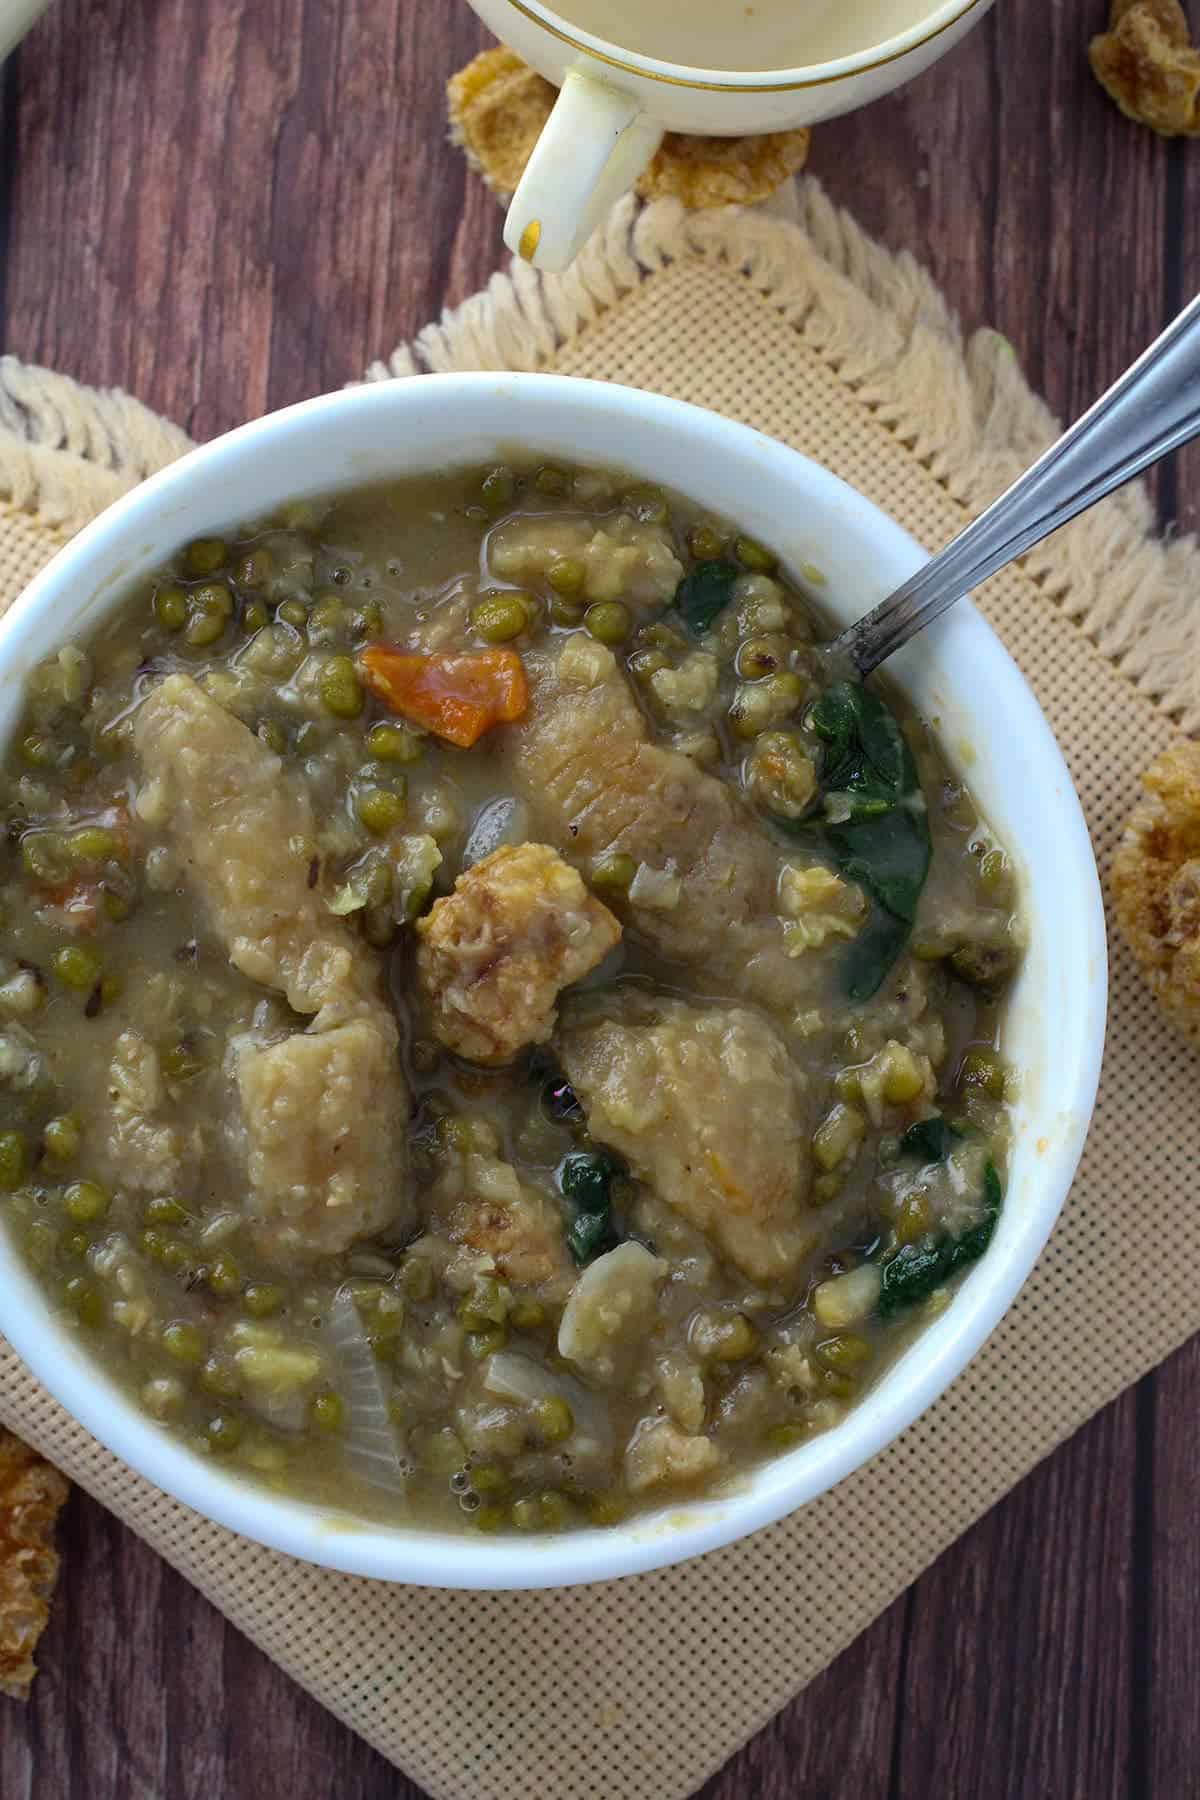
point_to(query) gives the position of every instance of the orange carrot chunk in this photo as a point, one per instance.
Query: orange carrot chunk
(458, 695)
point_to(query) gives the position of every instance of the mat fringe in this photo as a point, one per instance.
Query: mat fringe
(67, 451)
(873, 316)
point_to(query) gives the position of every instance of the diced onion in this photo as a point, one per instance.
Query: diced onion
(500, 822)
(524, 1383)
(513, 1377)
(659, 889)
(368, 1435)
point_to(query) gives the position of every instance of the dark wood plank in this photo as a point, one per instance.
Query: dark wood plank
(306, 212)
(95, 1721)
(224, 205)
(1183, 267)
(837, 1738)
(1018, 1669)
(145, 1692)
(1170, 1580)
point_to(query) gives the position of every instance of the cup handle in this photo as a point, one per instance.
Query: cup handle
(592, 148)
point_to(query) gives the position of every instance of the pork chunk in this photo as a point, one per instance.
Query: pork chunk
(704, 1105)
(324, 1111)
(706, 888)
(597, 785)
(481, 1204)
(245, 837)
(662, 1455)
(326, 1160)
(138, 1147)
(624, 559)
(523, 1236)
(493, 956)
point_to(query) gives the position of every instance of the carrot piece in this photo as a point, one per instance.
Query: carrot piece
(458, 695)
(78, 901)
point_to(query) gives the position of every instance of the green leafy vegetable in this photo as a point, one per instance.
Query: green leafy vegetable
(931, 1139)
(917, 1270)
(865, 751)
(912, 1275)
(585, 1178)
(889, 856)
(872, 823)
(588, 1235)
(872, 953)
(704, 592)
(972, 1244)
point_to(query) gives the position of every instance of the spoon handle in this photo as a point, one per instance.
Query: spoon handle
(1153, 408)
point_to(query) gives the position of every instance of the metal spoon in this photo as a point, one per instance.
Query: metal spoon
(1153, 408)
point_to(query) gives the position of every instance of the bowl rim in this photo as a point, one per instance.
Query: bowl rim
(91, 564)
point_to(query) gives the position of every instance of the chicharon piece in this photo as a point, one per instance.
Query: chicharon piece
(703, 1103)
(1146, 61)
(494, 955)
(31, 1493)
(322, 1151)
(1156, 884)
(324, 1111)
(245, 836)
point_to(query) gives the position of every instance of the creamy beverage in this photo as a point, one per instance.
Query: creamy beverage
(731, 34)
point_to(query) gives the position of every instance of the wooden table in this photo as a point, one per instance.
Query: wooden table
(225, 205)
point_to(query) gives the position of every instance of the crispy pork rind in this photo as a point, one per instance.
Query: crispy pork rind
(31, 1493)
(1156, 885)
(1148, 64)
(498, 106)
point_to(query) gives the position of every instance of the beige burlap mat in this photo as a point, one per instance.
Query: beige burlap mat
(641, 1688)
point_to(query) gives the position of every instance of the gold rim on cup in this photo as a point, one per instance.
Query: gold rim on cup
(736, 87)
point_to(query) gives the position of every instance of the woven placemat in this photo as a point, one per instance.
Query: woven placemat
(643, 1687)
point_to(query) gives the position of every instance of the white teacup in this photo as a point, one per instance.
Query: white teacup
(16, 16)
(615, 105)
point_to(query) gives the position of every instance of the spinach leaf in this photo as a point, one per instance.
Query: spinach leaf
(931, 1139)
(910, 1276)
(588, 1235)
(585, 1178)
(885, 749)
(972, 1244)
(835, 719)
(704, 592)
(917, 1270)
(865, 751)
(872, 953)
(873, 824)
(889, 856)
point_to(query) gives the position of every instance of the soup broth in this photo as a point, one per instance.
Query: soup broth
(494, 1030)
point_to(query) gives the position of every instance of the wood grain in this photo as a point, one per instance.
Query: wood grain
(1169, 1638)
(225, 205)
(1023, 1632)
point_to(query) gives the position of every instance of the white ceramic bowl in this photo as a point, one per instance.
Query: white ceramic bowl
(957, 673)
